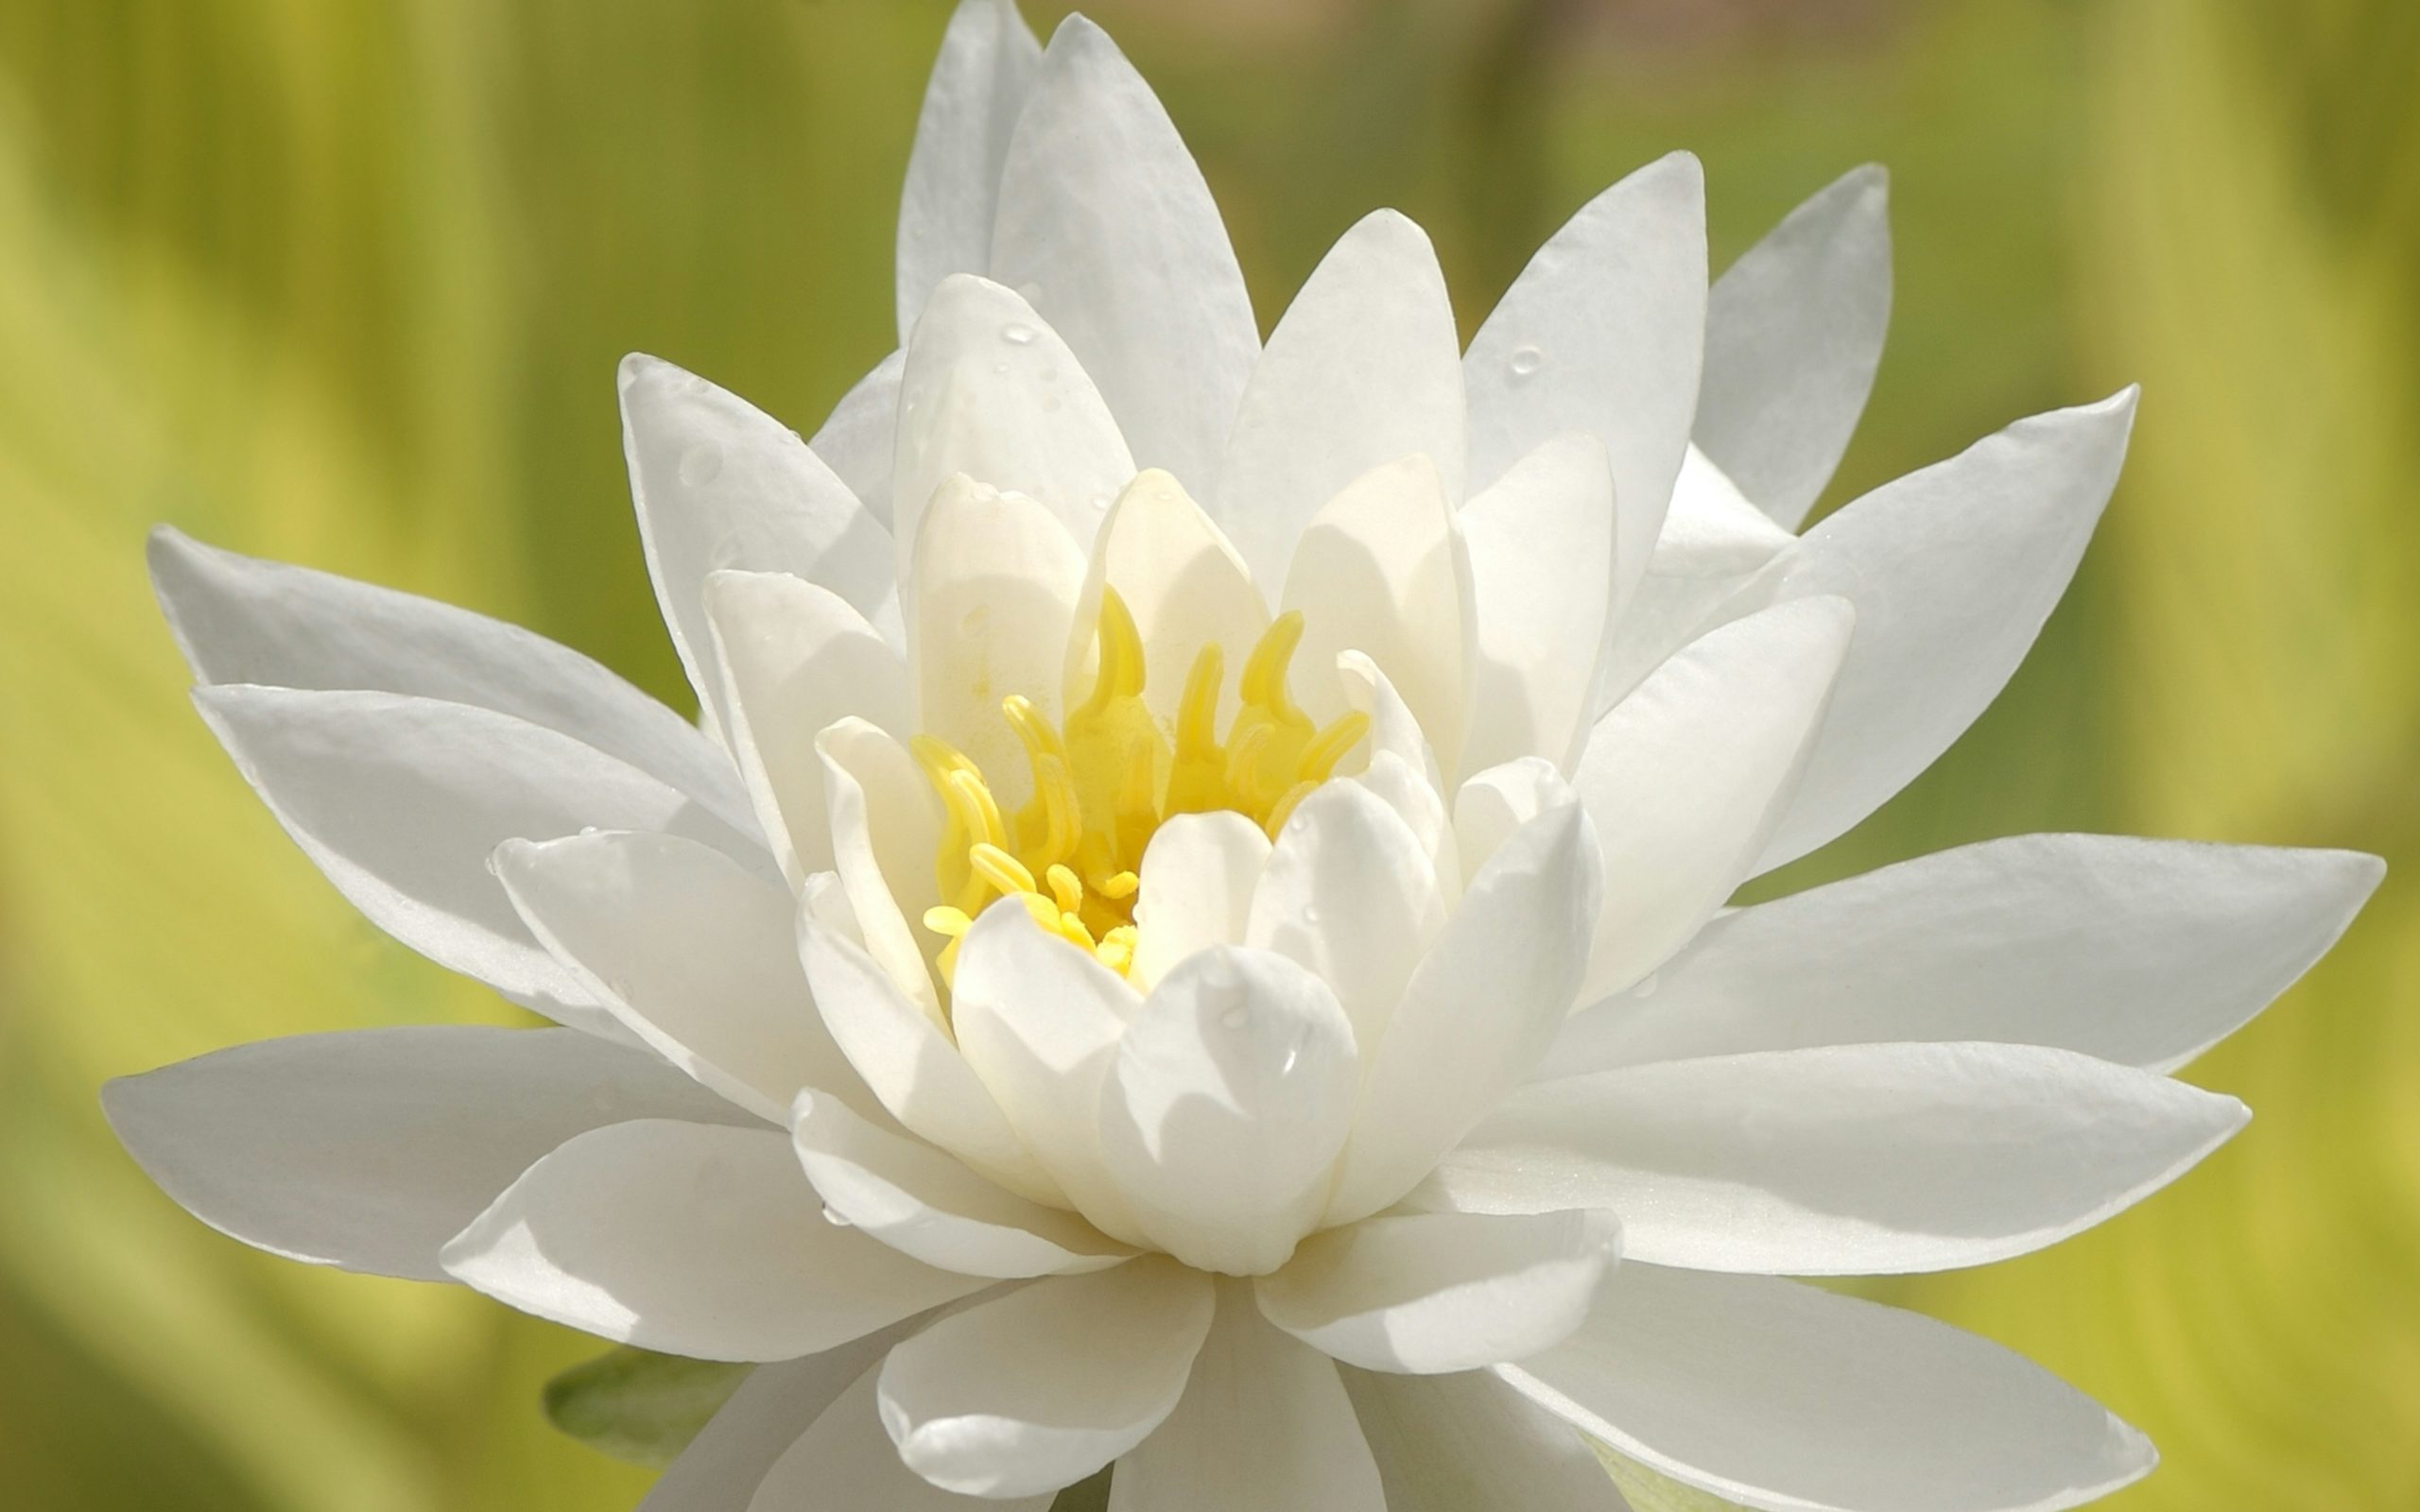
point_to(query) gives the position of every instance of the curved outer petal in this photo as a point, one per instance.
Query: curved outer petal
(369, 1149)
(1794, 333)
(1788, 1398)
(1684, 778)
(1364, 368)
(922, 1202)
(1225, 1106)
(239, 619)
(1491, 807)
(1842, 1160)
(1038, 1389)
(402, 801)
(696, 956)
(1602, 333)
(1541, 544)
(1264, 1424)
(1349, 894)
(1106, 225)
(718, 483)
(794, 659)
(1953, 569)
(886, 829)
(846, 1460)
(1402, 768)
(693, 1239)
(980, 84)
(858, 439)
(2144, 953)
(1453, 1443)
(902, 1054)
(1381, 570)
(992, 393)
(1479, 1011)
(1199, 874)
(1039, 1022)
(1184, 587)
(1428, 1293)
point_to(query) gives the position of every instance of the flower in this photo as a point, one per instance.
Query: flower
(1192, 933)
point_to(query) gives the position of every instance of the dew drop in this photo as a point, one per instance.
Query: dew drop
(1050, 404)
(1526, 361)
(701, 464)
(1310, 913)
(1001, 369)
(836, 1220)
(1017, 333)
(1645, 988)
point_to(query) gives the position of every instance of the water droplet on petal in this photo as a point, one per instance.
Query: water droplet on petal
(1645, 988)
(701, 464)
(1526, 361)
(1050, 404)
(1001, 369)
(836, 1220)
(1310, 913)
(1017, 333)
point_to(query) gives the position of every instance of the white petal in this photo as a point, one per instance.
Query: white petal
(1479, 1011)
(239, 619)
(794, 659)
(992, 393)
(996, 590)
(1184, 587)
(859, 437)
(691, 1239)
(1541, 542)
(1381, 571)
(922, 1203)
(693, 955)
(886, 830)
(724, 1464)
(980, 84)
(1844, 1160)
(1199, 873)
(1602, 333)
(1106, 225)
(720, 483)
(1040, 1388)
(1684, 775)
(1364, 368)
(1794, 333)
(1427, 1294)
(847, 1461)
(1953, 570)
(1349, 894)
(1039, 1021)
(2144, 953)
(402, 801)
(1228, 1100)
(1402, 768)
(1494, 804)
(902, 1054)
(1454, 1443)
(1264, 1424)
(1785, 1398)
(369, 1149)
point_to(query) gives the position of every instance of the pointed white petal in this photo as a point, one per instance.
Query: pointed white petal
(1264, 1424)
(886, 829)
(859, 437)
(1541, 542)
(1199, 874)
(1844, 1160)
(1428, 1293)
(369, 1149)
(691, 1239)
(978, 86)
(992, 393)
(1365, 367)
(718, 483)
(1184, 587)
(1602, 333)
(239, 619)
(1349, 894)
(1480, 1010)
(1794, 333)
(1402, 768)
(1227, 1101)
(724, 1464)
(1494, 804)
(1788, 1398)
(902, 1054)
(2144, 953)
(847, 1461)
(1039, 1388)
(1452, 1443)
(1953, 570)
(1684, 775)
(922, 1203)
(402, 801)
(1106, 225)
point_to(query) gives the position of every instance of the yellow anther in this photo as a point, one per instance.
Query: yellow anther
(1244, 761)
(947, 921)
(1121, 887)
(1073, 928)
(1120, 675)
(1064, 887)
(981, 814)
(1318, 759)
(1116, 949)
(999, 868)
(1264, 679)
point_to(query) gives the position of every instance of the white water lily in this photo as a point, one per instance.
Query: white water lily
(1191, 932)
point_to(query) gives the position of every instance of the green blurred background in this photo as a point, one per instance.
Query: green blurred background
(345, 284)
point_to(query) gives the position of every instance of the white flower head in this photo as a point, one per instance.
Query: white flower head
(1191, 931)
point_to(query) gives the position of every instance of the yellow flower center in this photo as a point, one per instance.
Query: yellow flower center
(1104, 784)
